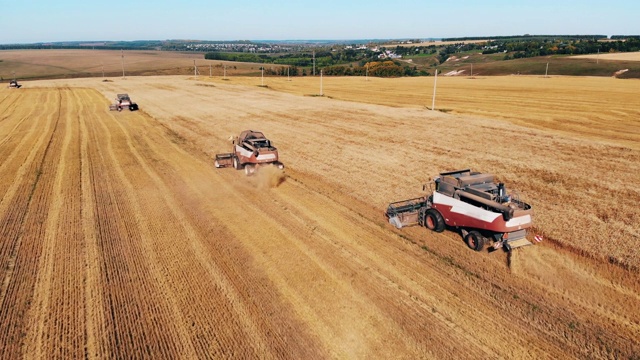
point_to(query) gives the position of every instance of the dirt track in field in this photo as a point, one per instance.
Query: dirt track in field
(121, 240)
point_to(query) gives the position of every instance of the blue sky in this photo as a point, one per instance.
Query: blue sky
(27, 21)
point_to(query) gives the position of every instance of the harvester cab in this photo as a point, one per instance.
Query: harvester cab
(472, 203)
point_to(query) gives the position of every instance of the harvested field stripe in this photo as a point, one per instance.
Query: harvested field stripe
(131, 320)
(14, 149)
(94, 317)
(224, 240)
(28, 246)
(9, 112)
(198, 250)
(326, 241)
(186, 346)
(57, 300)
(17, 198)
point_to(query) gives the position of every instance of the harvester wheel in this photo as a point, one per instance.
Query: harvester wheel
(236, 163)
(249, 170)
(434, 221)
(474, 240)
(217, 164)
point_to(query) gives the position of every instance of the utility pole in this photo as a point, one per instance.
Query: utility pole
(122, 50)
(546, 71)
(225, 72)
(195, 70)
(321, 94)
(314, 63)
(433, 103)
(262, 84)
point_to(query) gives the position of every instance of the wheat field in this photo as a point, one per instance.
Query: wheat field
(628, 56)
(121, 240)
(53, 63)
(571, 145)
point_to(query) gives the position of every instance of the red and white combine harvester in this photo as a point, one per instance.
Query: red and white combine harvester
(123, 101)
(13, 84)
(472, 203)
(250, 151)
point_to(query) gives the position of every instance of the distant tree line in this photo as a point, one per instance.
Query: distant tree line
(239, 57)
(346, 62)
(622, 37)
(323, 58)
(521, 37)
(284, 71)
(526, 47)
(533, 48)
(387, 68)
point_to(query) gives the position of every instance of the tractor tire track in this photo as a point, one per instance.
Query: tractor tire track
(94, 317)
(134, 325)
(22, 230)
(58, 293)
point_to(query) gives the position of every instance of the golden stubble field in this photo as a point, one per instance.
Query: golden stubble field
(54, 63)
(571, 145)
(122, 240)
(628, 56)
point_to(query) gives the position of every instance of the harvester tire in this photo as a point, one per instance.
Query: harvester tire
(474, 240)
(434, 221)
(236, 163)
